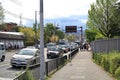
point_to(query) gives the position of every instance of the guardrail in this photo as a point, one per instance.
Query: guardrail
(51, 66)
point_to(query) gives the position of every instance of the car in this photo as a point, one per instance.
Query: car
(65, 48)
(54, 52)
(26, 57)
(50, 44)
(2, 51)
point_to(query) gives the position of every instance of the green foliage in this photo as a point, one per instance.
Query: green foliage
(51, 30)
(29, 35)
(103, 18)
(117, 73)
(71, 38)
(1, 14)
(105, 62)
(27, 75)
(110, 62)
(114, 63)
(90, 35)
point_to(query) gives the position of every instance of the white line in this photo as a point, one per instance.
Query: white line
(5, 79)
(1, 65)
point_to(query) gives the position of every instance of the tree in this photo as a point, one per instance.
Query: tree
(102, 18)
(1, 14)
(71, 38)
(29, 35)
(54, 38)
(90, 35)
(51, 30)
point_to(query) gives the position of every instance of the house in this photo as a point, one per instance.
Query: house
(12, 40)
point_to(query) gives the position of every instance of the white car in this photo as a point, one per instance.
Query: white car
(2, 52)
(27, 57)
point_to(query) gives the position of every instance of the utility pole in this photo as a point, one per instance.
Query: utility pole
(35, 26)
(81, 37)
(42, 60)
(21, 20)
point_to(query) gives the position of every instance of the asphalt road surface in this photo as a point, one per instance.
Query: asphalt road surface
(7, 72)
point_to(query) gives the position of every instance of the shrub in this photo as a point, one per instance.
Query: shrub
(105, 62)
(97, 58)
(117, 73)
(114, 63)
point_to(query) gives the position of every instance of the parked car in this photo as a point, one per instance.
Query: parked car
(26, 57)
(2, 52)
(50, 44)
(54, 52)
(65, 48)
(74, 46)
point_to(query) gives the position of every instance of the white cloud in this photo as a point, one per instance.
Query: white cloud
(52, 8)
(83, 21)
(65, 8)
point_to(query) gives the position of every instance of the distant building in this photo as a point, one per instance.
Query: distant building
(9, 26)
(12, 39)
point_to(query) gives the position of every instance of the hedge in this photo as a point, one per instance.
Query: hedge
(109, 61)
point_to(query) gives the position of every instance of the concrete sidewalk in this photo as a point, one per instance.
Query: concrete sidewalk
(81, 68)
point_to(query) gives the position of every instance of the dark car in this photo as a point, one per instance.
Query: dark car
(54, 52)
(65, 48)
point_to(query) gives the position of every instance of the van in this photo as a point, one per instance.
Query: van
(2, 52)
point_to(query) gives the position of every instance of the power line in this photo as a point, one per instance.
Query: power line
(16, 16)
(17, 2)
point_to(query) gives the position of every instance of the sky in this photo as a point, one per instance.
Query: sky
(59, 12)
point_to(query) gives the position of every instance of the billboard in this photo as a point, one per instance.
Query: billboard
(70, 29)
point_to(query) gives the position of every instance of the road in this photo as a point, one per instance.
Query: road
(6, 70)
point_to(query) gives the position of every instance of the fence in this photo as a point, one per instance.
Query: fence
(51, 66)
(105, 45)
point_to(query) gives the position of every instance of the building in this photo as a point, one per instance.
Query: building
(12, 40)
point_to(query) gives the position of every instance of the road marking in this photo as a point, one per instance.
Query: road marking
(5, 79)
(1, 65)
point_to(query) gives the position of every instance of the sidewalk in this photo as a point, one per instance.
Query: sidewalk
(81, 68)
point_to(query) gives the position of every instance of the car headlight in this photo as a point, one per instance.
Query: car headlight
(57, 52)
(28, 59)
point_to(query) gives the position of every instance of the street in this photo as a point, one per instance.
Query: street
(7, 71)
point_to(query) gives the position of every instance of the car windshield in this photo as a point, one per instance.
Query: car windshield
(63, 46)
(26, 52)
(54, 49)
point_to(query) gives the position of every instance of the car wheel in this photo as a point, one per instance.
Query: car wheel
(13, 66)
(3, 58)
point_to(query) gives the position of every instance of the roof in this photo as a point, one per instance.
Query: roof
(11, 35)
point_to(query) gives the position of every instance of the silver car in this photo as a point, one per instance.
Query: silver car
(27, 57)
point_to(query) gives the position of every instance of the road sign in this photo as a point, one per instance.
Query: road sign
(69, 29)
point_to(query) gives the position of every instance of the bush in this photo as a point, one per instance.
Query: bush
(114, 63)
(117, 73)
(105, 62)
(97, 58)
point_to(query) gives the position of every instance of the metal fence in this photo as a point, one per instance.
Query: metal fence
(51, 66)
(105, 45)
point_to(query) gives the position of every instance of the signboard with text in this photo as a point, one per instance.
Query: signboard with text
(70, 29)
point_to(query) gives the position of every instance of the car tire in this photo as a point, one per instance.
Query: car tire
(13, 66)
(3, 58)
